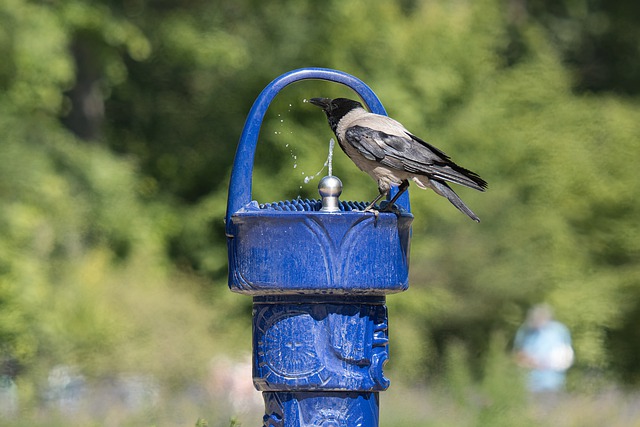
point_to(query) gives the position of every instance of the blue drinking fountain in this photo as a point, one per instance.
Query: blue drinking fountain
(318, 271)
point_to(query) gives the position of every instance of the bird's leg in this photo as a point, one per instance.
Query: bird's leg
(371, 209)
(403, 187)
(372, 204)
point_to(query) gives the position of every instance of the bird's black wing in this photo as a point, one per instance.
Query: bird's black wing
(410, 154)
(374, 145)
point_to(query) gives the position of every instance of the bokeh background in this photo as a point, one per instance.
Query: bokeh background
(118, 126)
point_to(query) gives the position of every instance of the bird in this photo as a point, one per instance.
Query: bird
(383, 148)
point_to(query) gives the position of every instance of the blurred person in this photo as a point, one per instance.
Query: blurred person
(543, 346)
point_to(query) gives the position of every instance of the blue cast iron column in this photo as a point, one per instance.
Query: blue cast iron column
(318, 278)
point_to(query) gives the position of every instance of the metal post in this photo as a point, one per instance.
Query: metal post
(318, 272)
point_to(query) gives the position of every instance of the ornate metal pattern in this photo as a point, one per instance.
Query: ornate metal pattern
(328, 346)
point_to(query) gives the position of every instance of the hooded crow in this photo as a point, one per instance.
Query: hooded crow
(391, 155)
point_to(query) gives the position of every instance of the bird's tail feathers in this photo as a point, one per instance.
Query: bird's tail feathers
(461, 176)
(448, 170)
(444, 190)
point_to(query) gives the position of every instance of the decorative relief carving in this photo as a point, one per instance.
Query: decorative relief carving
(320, 409)
(288, 353)
(320, 346)
(317, 253)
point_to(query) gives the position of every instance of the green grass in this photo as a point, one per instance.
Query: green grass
(429, 407)
(399, 407)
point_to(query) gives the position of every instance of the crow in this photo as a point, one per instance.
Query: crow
(391, 155)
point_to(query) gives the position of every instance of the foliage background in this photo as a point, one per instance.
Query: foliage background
(118, 126)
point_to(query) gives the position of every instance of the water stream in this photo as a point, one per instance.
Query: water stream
(328, 162)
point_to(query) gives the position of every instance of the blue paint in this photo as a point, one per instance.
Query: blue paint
(318, 281)
(321, 409)
(276, 252)
(343, 344)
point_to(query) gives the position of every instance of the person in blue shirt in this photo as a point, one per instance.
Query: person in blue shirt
(543, 346)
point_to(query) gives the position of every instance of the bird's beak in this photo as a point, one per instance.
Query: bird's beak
(324, 103)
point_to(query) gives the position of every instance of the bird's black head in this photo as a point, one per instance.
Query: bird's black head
(335, 109)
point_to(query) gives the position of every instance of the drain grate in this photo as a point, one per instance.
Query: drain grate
(310, 205)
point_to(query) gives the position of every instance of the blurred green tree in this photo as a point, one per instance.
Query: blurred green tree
(158, 92)
(85, 277)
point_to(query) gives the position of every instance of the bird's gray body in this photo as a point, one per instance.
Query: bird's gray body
(362, 152)
(391, 155)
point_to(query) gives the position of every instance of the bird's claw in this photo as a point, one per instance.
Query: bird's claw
(390, 207)
(387, 207)
(371, 209)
